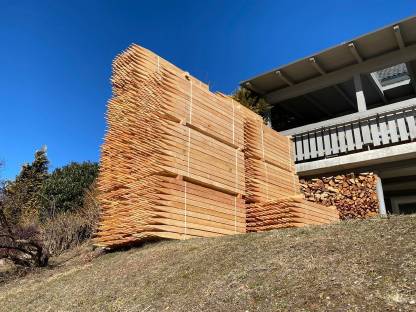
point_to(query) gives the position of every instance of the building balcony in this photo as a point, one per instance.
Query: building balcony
(368, 137)
(372, 129)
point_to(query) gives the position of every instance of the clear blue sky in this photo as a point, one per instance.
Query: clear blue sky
(56, 56)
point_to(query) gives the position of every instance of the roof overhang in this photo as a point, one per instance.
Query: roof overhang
(388, 46)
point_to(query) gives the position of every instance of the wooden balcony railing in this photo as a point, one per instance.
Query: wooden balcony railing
(375, 131)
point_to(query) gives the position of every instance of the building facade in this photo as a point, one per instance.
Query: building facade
(352, 108)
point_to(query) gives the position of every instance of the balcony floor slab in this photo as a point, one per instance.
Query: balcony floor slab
(361, 159)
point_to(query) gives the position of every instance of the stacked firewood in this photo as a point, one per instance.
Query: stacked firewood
(354, 195)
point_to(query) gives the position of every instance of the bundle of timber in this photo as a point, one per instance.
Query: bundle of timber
(354, 195)
(287, 212)
(270, 171)
(179, 161)
(172, 163)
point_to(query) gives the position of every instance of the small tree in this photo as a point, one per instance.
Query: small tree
(63, 190)
(252, 101)
(22, 201)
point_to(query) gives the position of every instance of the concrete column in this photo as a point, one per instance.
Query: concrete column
(359, 92)
(380, 196)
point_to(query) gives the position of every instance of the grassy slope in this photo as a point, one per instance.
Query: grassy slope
(354, 266)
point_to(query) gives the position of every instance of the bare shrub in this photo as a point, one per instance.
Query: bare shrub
(69, 229)
(22, 244)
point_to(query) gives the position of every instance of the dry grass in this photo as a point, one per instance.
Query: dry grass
(355, 266)
(72, 228)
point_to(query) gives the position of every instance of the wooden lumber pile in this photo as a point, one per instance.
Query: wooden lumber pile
(354, 195)
(179, 161)
(287, 212)
(270, 171)
(172, 163)
(273, 194)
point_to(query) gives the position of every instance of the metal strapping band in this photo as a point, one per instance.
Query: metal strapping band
(264, 161)
(189, 153)
(236, 169)
(186, 212)
(236, 186)
(235, 214)
(232, 103)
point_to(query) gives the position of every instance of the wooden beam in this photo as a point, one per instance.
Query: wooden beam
(284, 78)
(319, 68)
(254, 88)
(335, 77)
(354, 52)
(402, 45)
(399, 38)
(370, 76)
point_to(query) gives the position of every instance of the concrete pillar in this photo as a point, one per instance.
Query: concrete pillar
(380, 196)
(359, 92)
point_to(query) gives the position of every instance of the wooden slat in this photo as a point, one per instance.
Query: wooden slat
(411, 124)
(342, 139)
(334, 141)
(299, 148)
(327, 142)
(401, 124)
(305, 144)
(365, 130)
(320, 144)
(312, 143)
(375, 133)
(357, 135)
(385, 138)
(392, 127)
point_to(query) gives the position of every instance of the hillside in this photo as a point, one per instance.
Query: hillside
(354, 266)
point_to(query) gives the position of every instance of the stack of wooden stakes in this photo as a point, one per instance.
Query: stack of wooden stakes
(273, 192)
(292, 211)
(179, 161)
(270, 171)
(172, 163)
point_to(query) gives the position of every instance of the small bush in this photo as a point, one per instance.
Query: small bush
(63, 190)
(69, 229)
